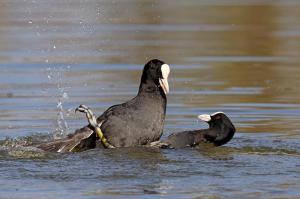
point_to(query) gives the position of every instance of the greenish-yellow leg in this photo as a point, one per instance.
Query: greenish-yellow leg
(93, 122)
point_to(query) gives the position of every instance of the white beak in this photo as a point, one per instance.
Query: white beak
(165, 70)
(204, 117)
(165, 85)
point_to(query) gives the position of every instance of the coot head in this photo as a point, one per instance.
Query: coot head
(220, 124)
(155, 75)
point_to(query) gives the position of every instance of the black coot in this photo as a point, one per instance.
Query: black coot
(220, 131)
(137, 122)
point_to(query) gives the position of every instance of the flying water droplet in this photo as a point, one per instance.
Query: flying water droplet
(65, 95)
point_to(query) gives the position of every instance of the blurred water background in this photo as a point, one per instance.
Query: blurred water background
(237, 56)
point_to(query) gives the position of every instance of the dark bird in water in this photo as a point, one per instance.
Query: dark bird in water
(220, 131)
(137, 122)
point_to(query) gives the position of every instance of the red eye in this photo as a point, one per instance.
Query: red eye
(217, 117)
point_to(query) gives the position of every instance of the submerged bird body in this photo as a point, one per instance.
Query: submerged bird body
(220, 131)
(133, 123)
(81, 140)
(185, 139)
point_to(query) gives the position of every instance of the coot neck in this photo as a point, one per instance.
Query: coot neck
(150, 88)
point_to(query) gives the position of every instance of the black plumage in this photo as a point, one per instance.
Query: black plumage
(220, 131)
(133, 123)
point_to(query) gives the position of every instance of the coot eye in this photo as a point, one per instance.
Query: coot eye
(217, 117)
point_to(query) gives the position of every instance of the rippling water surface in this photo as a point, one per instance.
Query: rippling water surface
(240, 57)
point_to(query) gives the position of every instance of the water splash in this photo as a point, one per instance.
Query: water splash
(56, 76)
(24, 147)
